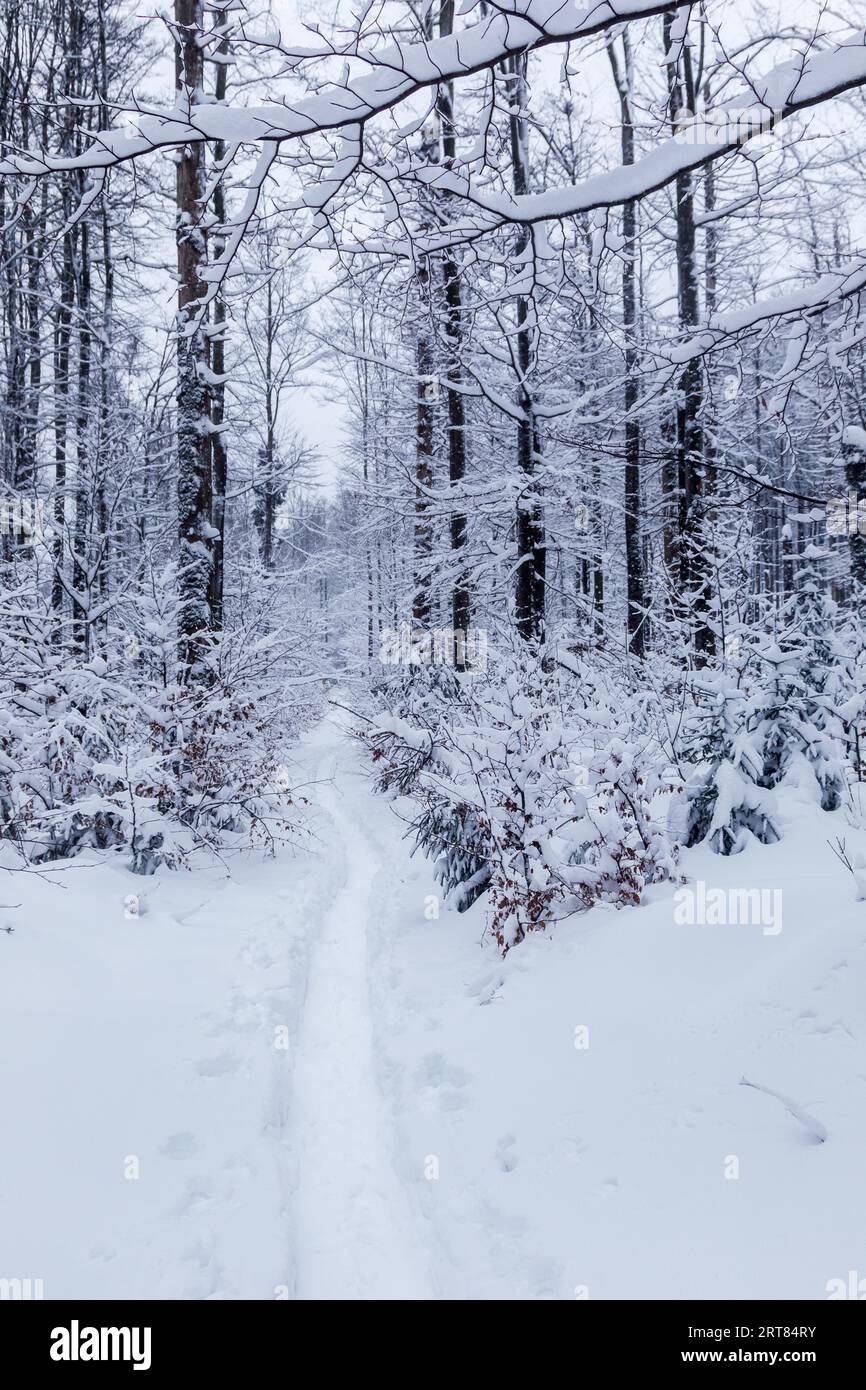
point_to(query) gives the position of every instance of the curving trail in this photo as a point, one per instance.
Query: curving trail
(353, 1224)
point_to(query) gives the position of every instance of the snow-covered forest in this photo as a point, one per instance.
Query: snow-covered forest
(432, 650)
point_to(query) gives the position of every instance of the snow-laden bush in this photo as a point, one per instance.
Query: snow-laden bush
(112, 753)
(528, 795)
(793, 713)
(726, 803)
(632, 847)
(784, 709)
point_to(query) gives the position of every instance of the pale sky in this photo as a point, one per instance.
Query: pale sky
(319, 414)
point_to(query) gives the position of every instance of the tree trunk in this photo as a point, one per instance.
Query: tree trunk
(81, 572)
(460, 595)
(194, 485)
(691, 470)
(635, 586)
(219, 458)
(531, 551)
(425, 396)
(424, 423)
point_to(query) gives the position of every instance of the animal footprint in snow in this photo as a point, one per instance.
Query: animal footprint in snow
(222, 1065)
(207, 1275)
(236, 1163)
(436, 1076)
(811, 1022)
(181, 1145)
(573, 1149)
(436, 1070)
(485, 988)
(505, 1155)
(197, 1196)
(689, 1116)
(102, 1252)
(546, 1278)
(258, 955)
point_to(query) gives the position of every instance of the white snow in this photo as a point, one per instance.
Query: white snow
(440, 1124)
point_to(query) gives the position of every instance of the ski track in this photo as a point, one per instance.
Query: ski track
(305, 1168)
(353, 1218)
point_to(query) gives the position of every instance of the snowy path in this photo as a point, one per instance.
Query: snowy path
(353, 1219)
(209, 1124)
(300, 1081)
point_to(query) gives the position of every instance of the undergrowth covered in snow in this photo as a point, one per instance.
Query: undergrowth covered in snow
(123, 755)
(550, 781)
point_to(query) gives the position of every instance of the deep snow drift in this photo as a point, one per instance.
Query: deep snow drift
(297, 1081)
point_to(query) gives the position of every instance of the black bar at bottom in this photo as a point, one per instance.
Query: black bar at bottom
(151, 1339)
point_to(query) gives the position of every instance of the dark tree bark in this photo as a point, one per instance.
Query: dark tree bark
(219, 457)
(424, 427)
(106, 347)
(81, 569)
(460, 595)
(271, 491)
(855, 477)
(425, 396)
(531, 543)
(635, 585)
(692, 480)
(63, 335)
(194, 485)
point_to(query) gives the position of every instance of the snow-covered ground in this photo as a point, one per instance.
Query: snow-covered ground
(296, 1081)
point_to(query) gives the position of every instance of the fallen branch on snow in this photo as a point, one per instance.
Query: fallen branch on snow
(815, 1128)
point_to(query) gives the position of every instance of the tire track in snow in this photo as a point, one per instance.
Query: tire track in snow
(354, 1222)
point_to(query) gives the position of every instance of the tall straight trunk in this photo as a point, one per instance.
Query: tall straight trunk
(219, 457)
(81, 573)
(269, 461)
(694, 570)
(425, 395)
(711, 294)
(34, 232)
(635, 585)
(36, 267)
(268, 512)
(531, 546)
(598, 560)
(8, 108)
(855, 477)
(194, 485)
(14, 129)
(13, 403)
(62, 340)
(84, 344)
(63, 334)
(103, 460)
(460, 594)
(364, 397)
(424, 426)
(106, 347)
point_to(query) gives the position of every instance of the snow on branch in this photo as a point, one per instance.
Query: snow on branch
(398, 71)
(792, 87)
